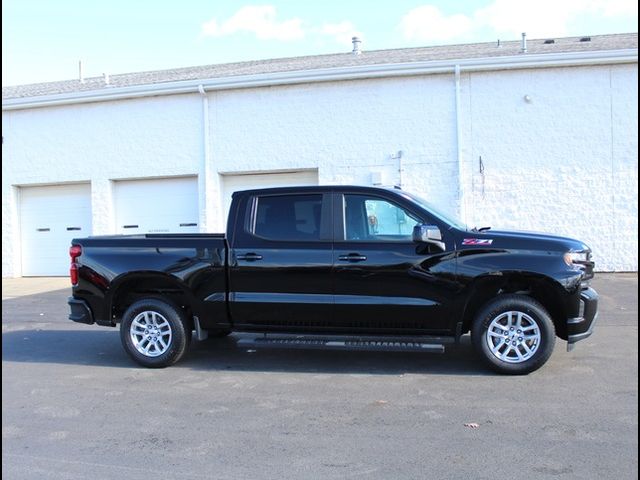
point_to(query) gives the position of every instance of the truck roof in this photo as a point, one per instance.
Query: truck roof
(318, 188)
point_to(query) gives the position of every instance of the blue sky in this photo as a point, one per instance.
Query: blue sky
(42, 40)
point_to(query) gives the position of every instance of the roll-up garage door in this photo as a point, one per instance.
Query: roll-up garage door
(166, 205)
(50, 217)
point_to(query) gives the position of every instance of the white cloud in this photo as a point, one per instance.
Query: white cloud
(428, 23)
(614, 8)
(547, 17)
(260, 20)
(511, 17)
(263, 23)
(341, 32)
(540, 19)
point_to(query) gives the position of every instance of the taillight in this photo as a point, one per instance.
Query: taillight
(74, 252)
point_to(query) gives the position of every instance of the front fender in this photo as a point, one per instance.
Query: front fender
(485, 274)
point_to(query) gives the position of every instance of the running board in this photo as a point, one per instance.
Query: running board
(344, 342)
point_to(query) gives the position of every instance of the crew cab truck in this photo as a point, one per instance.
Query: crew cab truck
(338, 267)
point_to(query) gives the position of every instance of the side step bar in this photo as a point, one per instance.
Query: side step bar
(347, 342)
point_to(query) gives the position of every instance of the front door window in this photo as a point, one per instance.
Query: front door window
(373, 219)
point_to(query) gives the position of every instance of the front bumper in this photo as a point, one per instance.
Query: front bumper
(581, 327)
(80, 311)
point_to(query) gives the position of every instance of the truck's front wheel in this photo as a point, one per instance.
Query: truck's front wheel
(514, 334)
(154, 333)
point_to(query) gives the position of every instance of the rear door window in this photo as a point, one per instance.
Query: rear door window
(288, 217)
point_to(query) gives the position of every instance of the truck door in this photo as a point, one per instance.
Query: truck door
(383, 281)
(280, 262)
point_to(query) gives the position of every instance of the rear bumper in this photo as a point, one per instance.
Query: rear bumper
(579, 328)
(80, 311)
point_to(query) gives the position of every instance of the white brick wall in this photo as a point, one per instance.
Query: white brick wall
(565, 163)
(96, 142)
(346, 130)
(624, 163)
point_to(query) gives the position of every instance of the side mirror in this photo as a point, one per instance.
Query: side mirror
(428, 234)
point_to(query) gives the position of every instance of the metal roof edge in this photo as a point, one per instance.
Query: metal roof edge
(326, 75)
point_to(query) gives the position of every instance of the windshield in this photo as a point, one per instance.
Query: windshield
(435, 212)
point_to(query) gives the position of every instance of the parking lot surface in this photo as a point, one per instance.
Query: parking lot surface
(75, 406)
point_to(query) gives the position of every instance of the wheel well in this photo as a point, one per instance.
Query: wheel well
(136, 287)
(538, 288)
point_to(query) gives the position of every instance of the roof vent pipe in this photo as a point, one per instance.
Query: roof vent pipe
(523, 48)
(106, 78)
(356, 45)
(80, 73)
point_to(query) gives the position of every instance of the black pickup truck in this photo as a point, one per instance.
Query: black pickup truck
(338, 267)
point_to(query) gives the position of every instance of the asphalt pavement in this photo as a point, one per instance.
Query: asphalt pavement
(74, 406)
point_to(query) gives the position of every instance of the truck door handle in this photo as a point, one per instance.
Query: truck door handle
(250, 257)
(352, 257)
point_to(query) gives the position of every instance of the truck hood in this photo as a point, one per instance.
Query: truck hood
(524, 240)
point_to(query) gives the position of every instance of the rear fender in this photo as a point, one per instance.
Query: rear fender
(132, 285)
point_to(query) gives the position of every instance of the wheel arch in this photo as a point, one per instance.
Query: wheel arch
(134, 286)
(545, 290)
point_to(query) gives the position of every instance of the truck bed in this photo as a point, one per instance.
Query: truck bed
(183, 265)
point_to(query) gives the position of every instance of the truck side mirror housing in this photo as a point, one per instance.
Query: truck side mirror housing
(428, 234)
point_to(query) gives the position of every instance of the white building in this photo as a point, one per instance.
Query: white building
(544, 139)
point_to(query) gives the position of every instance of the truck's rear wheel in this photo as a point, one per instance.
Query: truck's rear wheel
(155, 333)
(514, 334)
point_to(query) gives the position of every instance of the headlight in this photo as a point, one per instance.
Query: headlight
(573, 258)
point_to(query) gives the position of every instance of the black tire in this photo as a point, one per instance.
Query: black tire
(218, 333)
(168, 343)
(522, 334)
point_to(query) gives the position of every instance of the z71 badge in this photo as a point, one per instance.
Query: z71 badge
(477, 241)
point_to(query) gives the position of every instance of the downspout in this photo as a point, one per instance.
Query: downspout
(461, 189)
(206, 167)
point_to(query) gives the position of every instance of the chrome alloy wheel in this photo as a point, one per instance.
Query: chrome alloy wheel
(513, 337)
(150, 333)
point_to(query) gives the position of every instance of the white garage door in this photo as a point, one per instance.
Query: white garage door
(50, 217)
(234, 183)
(167, 205)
